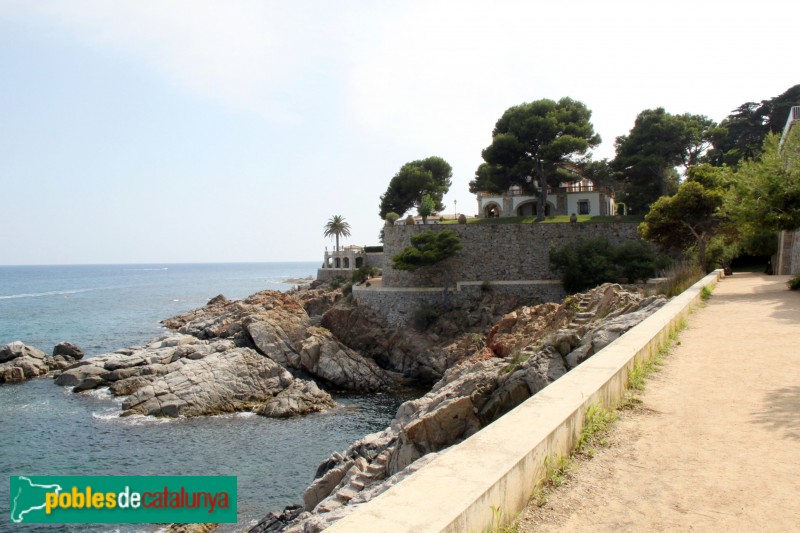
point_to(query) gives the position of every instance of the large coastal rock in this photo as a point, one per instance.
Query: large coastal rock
(323, 356)
(525, 351)
(423, 356)
(277, 325)
(181, 375)
(20, 362)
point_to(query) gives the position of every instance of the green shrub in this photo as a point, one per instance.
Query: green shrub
(373, 249)
(681, 277)
(347, 288)
(586, 263)
(336, 283)
(424, 316)
(636, 260)
(583, 264)
(486, 286)
(363, 273)
(427, 249)
(794, 283)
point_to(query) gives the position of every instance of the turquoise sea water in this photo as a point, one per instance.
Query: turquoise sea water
(47, 430)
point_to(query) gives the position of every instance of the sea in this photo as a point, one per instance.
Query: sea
(48, 430)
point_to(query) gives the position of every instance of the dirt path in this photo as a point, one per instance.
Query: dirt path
(715, 444)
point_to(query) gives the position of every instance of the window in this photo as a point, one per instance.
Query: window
(583, 207)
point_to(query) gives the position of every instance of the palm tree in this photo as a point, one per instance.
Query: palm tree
(336, 227)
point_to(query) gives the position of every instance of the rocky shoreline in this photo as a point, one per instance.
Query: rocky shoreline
(523, 352)
(278, 354)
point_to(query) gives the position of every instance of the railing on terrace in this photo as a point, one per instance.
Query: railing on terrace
(794, 116)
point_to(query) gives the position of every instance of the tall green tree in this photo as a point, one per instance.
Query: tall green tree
(766, 192)
(337, 227)
(414, 180)
(426, 207)
(745, 129)
(691, 217)
(534, 145)
(647, 157)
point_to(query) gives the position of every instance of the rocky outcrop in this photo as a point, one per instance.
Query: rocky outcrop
(67, 349)
(19, 362)
(423, 356)
(525, 351)
(181, 375)
(277, 325)
(323, 356)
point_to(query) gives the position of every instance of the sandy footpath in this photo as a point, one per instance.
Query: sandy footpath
(715, 444)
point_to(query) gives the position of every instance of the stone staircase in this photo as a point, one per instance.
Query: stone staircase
(364, 474)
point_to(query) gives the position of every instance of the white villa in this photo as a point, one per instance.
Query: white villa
(578, 197)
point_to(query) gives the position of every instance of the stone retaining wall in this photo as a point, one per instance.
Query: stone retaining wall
(375, 260)
(495, 252)
(327, 274)
(397, 305)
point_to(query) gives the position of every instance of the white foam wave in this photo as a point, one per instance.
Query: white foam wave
(103, 393)
(40, 294)
(140, 420)
(106, 415)
(239, 414)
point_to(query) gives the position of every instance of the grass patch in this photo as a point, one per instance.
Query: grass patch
(517, 359)
(560, 219)
(556, 472)
(642, 369)
(794, 283)
(705, 294)
(595, 429)
(500, 524)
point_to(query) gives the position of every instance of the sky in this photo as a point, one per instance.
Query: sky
(224, 131)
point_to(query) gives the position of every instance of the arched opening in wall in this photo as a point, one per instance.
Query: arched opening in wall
(491, 210)
(530, 208)
(337, 263)
(359, 262)
(526, 209)
(346, 262)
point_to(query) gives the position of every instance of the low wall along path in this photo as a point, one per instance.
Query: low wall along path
(498, 467)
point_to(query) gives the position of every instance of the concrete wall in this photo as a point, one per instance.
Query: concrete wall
(500, 465)
(397, 305)
(794, 254)
(494, 252)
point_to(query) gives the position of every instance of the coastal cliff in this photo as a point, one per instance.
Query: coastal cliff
(522, 352)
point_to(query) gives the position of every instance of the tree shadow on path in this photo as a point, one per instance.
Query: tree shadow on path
(780, 413)
(771, 291)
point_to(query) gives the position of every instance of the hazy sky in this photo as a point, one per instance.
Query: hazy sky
(203, 131)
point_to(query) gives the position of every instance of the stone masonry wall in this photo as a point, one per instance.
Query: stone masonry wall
(375, 260)
(398, 305)
(494, 252)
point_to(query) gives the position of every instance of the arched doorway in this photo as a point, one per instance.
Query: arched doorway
(531, 208)
(526, 209)
(491, 210)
